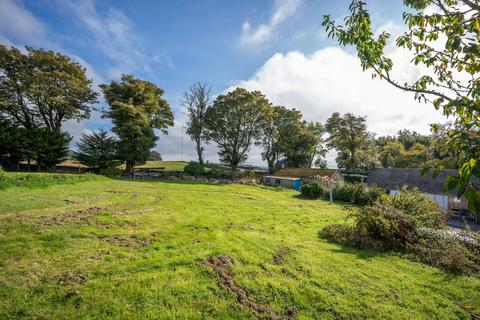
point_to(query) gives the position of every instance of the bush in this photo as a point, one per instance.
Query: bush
(110, 172)
(411, 223)
(312, 190)
(356, 193)
(194, 168)
(340, 233)
(393, 227)
(445, 252)
(418, 206)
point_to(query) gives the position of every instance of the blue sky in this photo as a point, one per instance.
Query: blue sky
(278, 47)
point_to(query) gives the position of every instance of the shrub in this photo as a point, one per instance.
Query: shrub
(356, 193)
(411, 223)
(393, 227)
(312, 190)
(418, 206)
(194, 168)
(340, 233)
(111, 172)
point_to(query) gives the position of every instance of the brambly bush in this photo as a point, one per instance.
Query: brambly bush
(312, 190)
(356, 193)
(34, 180)
(411, 223)
(194, 168)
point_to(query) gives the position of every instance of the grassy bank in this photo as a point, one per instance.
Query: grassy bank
(142, 249)
(37, 180)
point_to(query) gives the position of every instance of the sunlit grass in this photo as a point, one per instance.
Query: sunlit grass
(134, 250)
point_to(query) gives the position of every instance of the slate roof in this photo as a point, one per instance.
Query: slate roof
(395, 178)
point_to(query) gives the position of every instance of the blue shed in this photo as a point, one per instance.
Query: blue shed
(285, 182)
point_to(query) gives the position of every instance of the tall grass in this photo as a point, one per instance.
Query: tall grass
(37, 180)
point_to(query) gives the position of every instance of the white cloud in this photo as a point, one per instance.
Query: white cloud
(18, 24)
(331, 80)
(264, 32)
(114, 34)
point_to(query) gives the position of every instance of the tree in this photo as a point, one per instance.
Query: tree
(235, 121)
(444, 156)
(47, 147)
(347, 134)
(317, 150)
(410, 138)
(278, 136)
(155, 156)
(196, 102)
(43, 88)
(136, 109)
(304, 145)
(445, 40)
(51, 146)
(97, 150)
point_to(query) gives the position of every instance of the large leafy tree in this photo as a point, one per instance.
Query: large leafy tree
(43, 88)
(316, 149)
(348, 135)
(235, 121)
(445, 40)
(196, 102)
(137, 107)
(279, 133)
(303, 145)
(97, 150)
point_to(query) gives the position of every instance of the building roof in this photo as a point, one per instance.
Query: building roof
(282, 178)
(305, 172)
(396, 178)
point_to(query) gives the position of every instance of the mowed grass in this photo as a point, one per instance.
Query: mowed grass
(168, 165)
(135, 250)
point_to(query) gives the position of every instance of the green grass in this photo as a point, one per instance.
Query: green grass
(168, 165)
(75, 251)
(35, 180)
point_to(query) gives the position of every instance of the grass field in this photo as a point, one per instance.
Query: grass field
(168, 165)
(136, 250)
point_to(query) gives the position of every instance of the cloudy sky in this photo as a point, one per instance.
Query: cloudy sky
(276, 46)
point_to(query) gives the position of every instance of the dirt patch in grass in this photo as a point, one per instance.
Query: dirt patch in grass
(134, 211)
(81, 215)
(134, 241)
(280, 254)
(71, 278)
(221, 265)
(99, 254)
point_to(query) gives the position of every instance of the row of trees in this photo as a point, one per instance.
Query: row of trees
(40, 90)
(239, 119)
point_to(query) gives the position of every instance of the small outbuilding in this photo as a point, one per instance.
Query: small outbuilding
(285, 182)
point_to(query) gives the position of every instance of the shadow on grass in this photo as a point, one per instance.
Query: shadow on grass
(359, 252)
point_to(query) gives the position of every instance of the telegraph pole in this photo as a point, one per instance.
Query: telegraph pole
(182, 140)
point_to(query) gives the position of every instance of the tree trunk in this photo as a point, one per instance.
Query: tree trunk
(129, 166)
(199, 152)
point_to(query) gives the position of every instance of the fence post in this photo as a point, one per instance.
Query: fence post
(330, 189)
